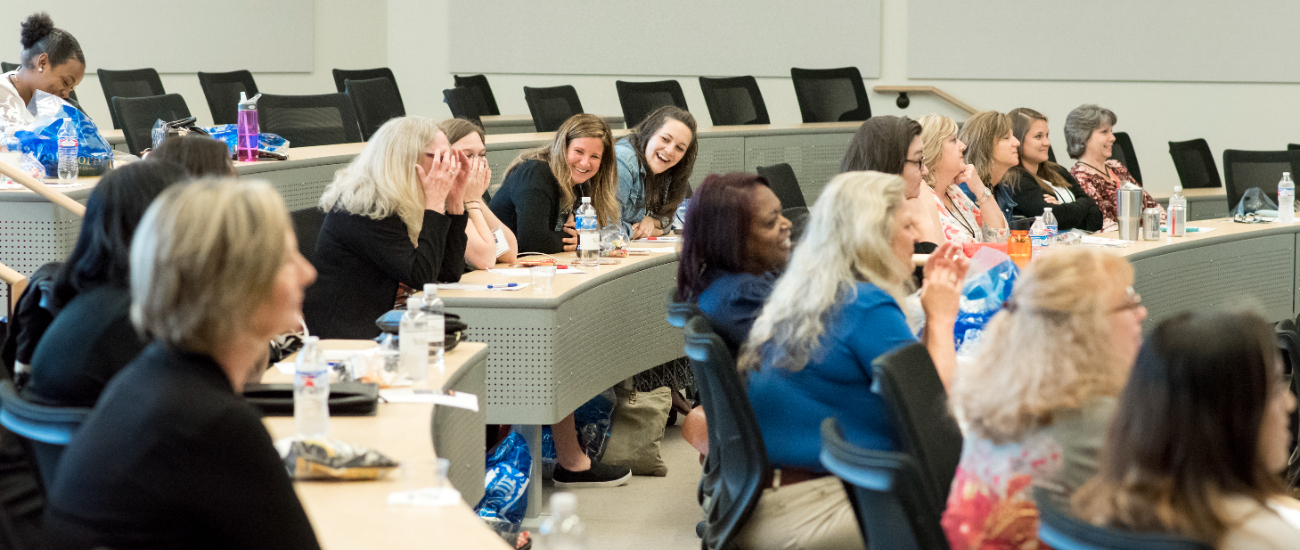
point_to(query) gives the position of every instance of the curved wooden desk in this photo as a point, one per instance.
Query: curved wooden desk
(356, 514)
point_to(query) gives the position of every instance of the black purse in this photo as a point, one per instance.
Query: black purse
(391, 322)
(346, 398)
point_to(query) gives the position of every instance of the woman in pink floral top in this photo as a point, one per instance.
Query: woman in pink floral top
(1089, 137)
(948, 214)
(1036, 400)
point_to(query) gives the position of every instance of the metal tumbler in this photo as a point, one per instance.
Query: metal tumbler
(1129, 213)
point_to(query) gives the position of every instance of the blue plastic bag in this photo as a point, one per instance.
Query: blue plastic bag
(988, 284)
(593, 420)
(41, 138)
(229, 133)
(506, 482)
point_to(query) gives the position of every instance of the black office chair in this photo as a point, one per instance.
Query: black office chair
(1195, 164)
(45, 430)
(734, 101)
(222, 92)
(784, 183)
(1123, 152)
(341, 76)
(133, 83)
(139, 114)
(888, 494)
(1292, 146)
(1288, 345)
(465, 103)
(306, 227)
(1245, 169)
(736, 471)
(909, 384)
(6, 66)
(308, 120)
(1051, 155)
(679, 313)
(639, 99)
(479, 84)
(375, 101)
(798, 216)
(831, 95)
(1061, 530)
(550, 107)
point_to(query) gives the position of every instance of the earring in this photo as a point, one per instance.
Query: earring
(40, 70)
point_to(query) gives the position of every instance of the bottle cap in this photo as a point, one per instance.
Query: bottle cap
(1178, 189)
(430, 289)
(586, 200)
(412, 304)
(311, 340)
(1046, 210)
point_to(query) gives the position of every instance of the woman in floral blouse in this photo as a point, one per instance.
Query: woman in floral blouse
(1036, 400)
(1089, 137)
(953, 215)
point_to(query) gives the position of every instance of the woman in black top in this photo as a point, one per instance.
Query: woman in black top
(172, 456)
(1039, 183)
(91, 337)
(537, 199)
(395, 216)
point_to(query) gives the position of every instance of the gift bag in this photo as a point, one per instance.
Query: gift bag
(988, 284)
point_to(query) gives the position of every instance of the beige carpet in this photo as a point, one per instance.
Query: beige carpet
(648, 512)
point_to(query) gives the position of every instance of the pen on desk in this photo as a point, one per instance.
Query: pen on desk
(504, 286)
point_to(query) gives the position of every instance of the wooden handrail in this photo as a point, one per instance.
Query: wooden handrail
(903, 101)
(17, 282)
(41, 189)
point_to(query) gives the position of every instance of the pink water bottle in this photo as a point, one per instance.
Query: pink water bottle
(248, 132)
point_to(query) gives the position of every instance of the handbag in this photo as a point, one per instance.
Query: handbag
(391, 323)
(346, 398)
(638, 429)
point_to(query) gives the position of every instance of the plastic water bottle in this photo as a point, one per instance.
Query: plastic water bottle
(68, 146)
(434, 316)
(1038, 238)
(390, 352)
(413, 340)
(11, 150)
(1049, 221)
(679, 220)
(1286, 199)
(588, 234)
(311, 391)
(247, 131)
(1178, 213)
(563, 530)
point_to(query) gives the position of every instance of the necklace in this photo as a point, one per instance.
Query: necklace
(1104, 173)
(957, 214)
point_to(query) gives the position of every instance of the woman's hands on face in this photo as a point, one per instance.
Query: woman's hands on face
(571, 228)
(480, 178)
(945, 272)
(442, 179)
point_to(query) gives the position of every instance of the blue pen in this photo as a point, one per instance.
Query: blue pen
(507, 286)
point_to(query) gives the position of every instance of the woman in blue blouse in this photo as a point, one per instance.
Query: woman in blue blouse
(654, 166)
(809, 354)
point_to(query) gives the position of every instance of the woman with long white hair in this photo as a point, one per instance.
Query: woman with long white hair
(808, 357)
(395, 216)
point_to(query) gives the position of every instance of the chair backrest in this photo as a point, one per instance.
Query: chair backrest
(1123, 152)
(1292, 146)
(343, 75)
(831, 95)
(479, 84)
(132, 83)
(465, 103)
(909, 384)
(306, 227)
(1263, 169)
(6, 66)
(1195, 164)
(888, 494)
(785, 184)
(45, 430)
(550, 107)
(375, 101)
(639, 99)
(222, 92)
(139, 114)
(679, 313)
(1051, 155)
(308, 120)
(736, 447)
(1063, 531)
(734, 101)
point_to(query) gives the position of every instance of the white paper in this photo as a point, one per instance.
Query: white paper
(523, 271)
(634, 250)
(1103, 241)
(659, 240)
(427, 496)
(458, 399)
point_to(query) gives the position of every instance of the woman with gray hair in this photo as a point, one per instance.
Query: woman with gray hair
(1089, 137)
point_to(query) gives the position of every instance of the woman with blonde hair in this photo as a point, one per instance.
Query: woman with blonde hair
(953, 215)
(488, 241)
(1036, 400)
(172, 455)
(808, 358)
(543, 187)
(395, 216)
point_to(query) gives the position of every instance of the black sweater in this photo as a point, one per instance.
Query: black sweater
(88, 342)
(172, 457)
(1080, 214)
(528, 202)
(360, 261)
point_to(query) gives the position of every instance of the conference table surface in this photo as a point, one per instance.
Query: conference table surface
(355, 514)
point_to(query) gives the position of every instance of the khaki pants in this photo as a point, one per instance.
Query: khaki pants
(814, 514)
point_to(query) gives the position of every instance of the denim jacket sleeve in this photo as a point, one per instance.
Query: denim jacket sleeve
(631, 185)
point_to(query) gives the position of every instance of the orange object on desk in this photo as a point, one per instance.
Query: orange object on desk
(969, 249)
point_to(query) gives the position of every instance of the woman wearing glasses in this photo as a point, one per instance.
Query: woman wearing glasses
(951, 214)
(395, 216)
(1036, 400)
(893, 145)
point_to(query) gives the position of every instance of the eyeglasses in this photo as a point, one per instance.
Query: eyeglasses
(1134, 301)
(920, 162)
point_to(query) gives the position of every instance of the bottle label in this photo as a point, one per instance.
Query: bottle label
(586, 223)
(589, 241)
(68, 142)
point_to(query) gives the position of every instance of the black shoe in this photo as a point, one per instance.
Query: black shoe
(599, 475)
